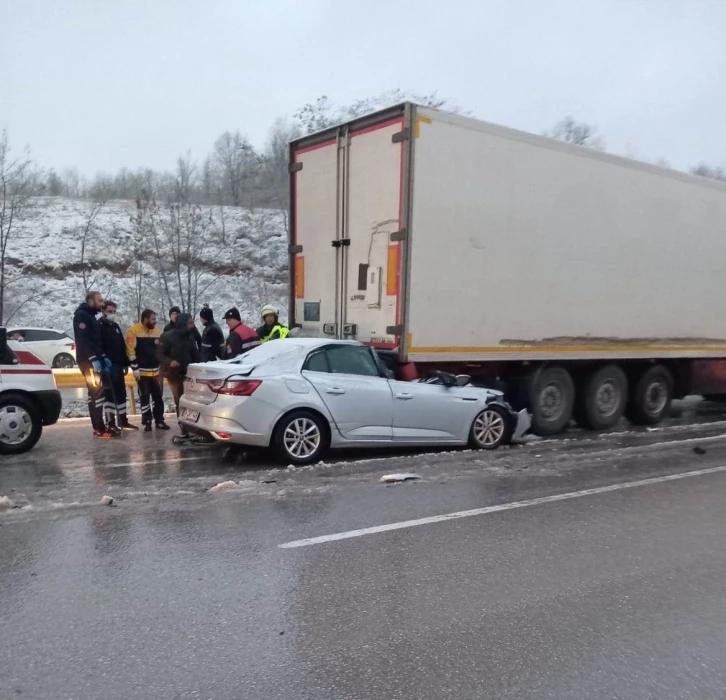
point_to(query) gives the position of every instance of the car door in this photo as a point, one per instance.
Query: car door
(350, 383)
(37, 342)
(432, 413)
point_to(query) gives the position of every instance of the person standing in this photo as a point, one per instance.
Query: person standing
(241, 338)
(114, 346)
(212, 337)
(271, 328)
(174, 311)
(92, 360)
(142, 342)
(176, 351)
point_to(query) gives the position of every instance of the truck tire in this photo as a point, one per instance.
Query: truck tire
(602, 398)
(651, 398)
(20, 424)
(551, 400)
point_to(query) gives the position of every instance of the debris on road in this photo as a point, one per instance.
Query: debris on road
(106, 500)
(223, 486)
(699, 450)
(5, 502)
(399, 478)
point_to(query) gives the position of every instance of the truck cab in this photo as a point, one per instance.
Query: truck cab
(29, 398)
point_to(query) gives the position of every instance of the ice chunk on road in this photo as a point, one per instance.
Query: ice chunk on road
(224, 486)
(106, 500)
(5, 503)
(398, 478)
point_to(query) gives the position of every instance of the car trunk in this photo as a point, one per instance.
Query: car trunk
(200, 378)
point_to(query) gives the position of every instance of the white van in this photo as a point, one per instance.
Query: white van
(29, 398)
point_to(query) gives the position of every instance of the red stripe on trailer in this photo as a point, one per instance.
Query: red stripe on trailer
(314, 147)
(15, 370)
(25, 357)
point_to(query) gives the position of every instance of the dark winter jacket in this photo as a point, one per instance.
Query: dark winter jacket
(212, 343)
(114, 343)
(87, 334)
(178, 345)
(195, 333)
(241, 340)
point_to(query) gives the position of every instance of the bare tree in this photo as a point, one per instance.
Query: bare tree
(87, 234)
(18, 182)
(323, 113)
(236, 161)
(709, 171)
(578, 133)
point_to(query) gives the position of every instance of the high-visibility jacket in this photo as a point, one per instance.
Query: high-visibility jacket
(272, 332)
(141, 346)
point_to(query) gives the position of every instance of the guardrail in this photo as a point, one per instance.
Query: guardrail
(73, 379)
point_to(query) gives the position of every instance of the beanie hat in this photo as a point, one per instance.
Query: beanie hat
(207, 314)
(233, 313)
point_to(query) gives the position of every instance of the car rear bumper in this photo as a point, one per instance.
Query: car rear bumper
(50, 403)
(220, 427)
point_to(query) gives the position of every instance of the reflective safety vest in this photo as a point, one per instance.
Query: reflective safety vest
(277, 331)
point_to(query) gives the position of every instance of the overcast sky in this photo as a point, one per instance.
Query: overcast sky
(101, 84)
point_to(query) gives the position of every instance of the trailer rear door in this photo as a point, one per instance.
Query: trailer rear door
(347, 203)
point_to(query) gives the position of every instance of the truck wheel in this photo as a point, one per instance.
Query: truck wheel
(551, 400)
(651, 398)
(602, 398)
(20, 425)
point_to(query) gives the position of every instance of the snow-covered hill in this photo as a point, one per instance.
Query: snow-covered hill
(45, 260)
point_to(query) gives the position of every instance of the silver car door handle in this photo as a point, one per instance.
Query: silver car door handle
(404, 397)
(334, 390)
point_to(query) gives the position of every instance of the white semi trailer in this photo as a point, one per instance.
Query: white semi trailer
(588, 285)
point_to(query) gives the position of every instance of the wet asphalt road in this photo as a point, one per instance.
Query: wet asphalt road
(180, 592)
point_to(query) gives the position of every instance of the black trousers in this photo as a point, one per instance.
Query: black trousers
(115, 394)
(151, 399)
(96, 396)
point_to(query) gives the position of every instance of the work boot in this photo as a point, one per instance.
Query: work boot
(113, 430)
(162, 426)
(147, 428)
(125, 425)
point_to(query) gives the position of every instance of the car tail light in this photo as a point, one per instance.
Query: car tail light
(235, 387)
(223, 436)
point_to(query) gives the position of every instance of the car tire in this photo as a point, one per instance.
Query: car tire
(63, 361)
(289, 446)
(602, 398)
(551, 400)
(651, 399)
(20, 424)
(490, 429)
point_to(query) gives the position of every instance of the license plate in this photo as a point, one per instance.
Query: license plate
(190, 415)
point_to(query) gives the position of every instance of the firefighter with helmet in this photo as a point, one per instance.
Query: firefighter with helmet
(271, 328)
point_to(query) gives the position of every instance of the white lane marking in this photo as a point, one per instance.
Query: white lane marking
(498, 508)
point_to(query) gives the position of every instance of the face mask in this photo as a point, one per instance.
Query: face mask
(111, 317)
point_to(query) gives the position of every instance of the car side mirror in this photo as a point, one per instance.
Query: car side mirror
(462, 379)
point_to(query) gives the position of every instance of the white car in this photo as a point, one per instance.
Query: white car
(56, 348)
(301, 396)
